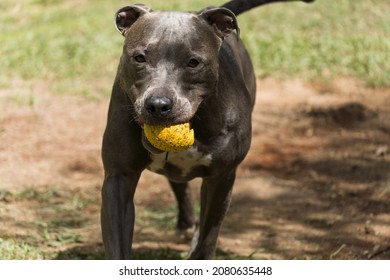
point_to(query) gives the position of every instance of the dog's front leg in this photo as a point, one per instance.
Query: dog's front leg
(215, 200)
(117, 214)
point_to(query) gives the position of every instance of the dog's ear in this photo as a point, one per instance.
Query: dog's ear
(126, 16)
(221, 19)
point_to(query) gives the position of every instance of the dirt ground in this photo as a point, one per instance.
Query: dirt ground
(315, 184)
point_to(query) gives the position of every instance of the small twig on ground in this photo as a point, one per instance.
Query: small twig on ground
(335, 253)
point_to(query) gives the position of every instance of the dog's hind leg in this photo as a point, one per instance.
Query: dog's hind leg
(185, 218)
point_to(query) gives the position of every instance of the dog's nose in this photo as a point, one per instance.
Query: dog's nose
(158, 105)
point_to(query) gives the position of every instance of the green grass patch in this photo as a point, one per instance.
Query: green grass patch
(30, 193)
(153, 217)
(18, 250)
(75, 48)
(61, 238)
(164, 217)
(73, 222)
(58, 221)
(321, 41)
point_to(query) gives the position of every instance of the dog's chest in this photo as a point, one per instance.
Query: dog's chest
(184, 162)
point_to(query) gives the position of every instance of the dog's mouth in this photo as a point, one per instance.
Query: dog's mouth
(148, 146)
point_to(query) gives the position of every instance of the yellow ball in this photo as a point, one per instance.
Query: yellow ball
(174, 138)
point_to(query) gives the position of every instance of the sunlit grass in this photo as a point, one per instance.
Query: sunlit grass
(75, 48)
(323, 40)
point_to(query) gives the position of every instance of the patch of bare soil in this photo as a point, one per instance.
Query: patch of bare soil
(315, 185)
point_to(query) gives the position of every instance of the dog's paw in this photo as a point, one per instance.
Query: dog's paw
(185, 235)
(172, 139)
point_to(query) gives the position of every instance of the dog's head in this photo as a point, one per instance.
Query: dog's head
(169, 63)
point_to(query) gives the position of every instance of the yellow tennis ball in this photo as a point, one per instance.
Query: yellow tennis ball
(174, 138)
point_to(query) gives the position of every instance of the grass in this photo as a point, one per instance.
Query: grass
(322, 41)
(56, 224)
(10, 249)
(73, 45)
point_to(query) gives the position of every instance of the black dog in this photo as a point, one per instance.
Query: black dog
(177, 67)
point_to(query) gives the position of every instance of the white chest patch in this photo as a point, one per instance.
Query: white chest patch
(185, 161)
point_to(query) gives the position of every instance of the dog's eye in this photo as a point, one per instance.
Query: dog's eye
(140, 58)
(193, 63)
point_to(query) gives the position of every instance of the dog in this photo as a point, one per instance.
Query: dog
(177, 67)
